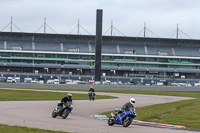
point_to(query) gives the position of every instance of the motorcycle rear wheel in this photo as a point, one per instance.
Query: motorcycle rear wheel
(126, 123)
(54, 115)
(110, 122)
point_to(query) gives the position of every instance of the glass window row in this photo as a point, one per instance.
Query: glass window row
(104, 58)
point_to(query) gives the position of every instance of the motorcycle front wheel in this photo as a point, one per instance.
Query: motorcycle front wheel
(64, 115)
(110, 121)
(93, 98)
(126, 122)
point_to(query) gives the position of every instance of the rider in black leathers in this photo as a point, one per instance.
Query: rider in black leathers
(92, 89)
(64, 100)
(67, 98)
(90, 92)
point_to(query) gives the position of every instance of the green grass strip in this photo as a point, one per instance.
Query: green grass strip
(18, 129)
(28, 95)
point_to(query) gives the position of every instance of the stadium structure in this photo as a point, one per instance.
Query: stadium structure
(67, 54)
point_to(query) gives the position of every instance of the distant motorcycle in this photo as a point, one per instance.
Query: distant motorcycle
(91, 95)
(62, 110)
(123, 118)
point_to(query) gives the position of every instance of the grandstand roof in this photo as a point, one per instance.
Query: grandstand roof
(44, 37)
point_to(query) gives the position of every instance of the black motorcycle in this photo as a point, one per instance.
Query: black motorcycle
(62, 110)
(91, 95)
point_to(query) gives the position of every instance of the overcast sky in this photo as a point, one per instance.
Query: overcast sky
(128, 16)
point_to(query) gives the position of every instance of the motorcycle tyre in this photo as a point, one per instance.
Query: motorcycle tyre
(110, 122)
(54, 115)
(126, 124)
(93, 98)
(64, 115)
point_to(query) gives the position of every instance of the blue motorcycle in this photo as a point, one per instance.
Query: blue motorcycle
(122, 117)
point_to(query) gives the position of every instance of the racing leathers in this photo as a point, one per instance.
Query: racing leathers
(63, 101)
(127, 106)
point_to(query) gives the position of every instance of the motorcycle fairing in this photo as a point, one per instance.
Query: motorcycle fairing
(65, 110)
(122, 115)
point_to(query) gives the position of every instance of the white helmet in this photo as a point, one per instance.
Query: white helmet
(69, 95)
(132, 100)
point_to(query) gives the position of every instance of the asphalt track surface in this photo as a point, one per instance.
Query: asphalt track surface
(37, 114)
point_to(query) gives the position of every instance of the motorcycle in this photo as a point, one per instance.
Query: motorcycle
(122, 117)
(62, 110)
(91, 95)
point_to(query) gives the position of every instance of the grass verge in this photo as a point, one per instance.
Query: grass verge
(185, 113)
(18, 129)
(25, 95)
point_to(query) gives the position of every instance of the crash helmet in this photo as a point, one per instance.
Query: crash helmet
(91, 86)
(132, 100)
(69, 95)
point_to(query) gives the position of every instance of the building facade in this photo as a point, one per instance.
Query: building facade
(121, 56)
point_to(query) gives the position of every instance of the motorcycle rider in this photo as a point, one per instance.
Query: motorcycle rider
(64, 100)
(67, 98)
(91, 90)
(126, 106)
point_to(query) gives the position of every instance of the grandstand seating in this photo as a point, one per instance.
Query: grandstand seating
(16, 45)
(1, 44)
(187, 51)
(159, 50)
(139, 49)
(47, 46)
(76, 47)
(142, 55)
(106, 48)
(109, 48)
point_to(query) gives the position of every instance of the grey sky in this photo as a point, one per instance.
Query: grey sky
(128, 16)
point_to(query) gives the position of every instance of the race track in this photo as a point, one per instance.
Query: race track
(37, 114)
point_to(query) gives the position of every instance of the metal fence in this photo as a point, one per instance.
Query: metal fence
(101, 87)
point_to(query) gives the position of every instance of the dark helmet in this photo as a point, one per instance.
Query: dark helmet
(69, 95)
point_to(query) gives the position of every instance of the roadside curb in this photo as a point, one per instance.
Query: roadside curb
(143, 123)
(137, 122)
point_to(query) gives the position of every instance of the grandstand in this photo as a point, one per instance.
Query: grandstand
(121, 56)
